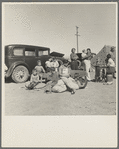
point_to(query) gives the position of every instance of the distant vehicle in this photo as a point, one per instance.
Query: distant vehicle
(21, 59)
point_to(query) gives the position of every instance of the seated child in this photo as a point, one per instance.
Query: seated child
(40, 70)
(34, 80)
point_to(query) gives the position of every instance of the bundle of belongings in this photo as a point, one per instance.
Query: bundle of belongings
(61, 81)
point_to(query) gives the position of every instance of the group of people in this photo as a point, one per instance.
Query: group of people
(106, 73)
(86, 57)
(36, 76)
(59, 81)
(52, 64)
(59, 75)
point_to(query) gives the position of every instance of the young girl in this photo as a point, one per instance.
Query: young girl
(40, 70)
(34, 80)
(74, 57)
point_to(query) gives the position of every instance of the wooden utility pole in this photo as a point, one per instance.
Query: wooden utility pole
(77, 37)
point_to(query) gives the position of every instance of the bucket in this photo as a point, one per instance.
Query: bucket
(109, 78)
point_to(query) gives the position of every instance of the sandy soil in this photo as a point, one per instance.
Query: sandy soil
(95, 99)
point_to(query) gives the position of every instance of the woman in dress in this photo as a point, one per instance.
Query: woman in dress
(74, 57)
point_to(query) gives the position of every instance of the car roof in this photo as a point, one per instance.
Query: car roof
(27, 46)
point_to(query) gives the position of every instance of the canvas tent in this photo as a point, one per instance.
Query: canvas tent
(102, 55)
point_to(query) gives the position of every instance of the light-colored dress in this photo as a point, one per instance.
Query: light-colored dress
(87, 64)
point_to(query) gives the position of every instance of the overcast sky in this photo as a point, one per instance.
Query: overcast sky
(54, 25)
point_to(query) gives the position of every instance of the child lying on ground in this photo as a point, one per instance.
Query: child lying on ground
(34, 80)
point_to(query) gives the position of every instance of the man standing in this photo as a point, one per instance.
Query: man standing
(88, 63)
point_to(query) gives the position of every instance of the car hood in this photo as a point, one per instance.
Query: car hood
(56, 54)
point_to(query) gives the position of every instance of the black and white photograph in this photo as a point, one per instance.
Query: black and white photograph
(59, 60)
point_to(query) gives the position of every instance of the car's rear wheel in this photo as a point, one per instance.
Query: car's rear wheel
(20, 74)
(83, 82)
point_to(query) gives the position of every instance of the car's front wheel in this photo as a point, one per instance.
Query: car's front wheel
(20, 74)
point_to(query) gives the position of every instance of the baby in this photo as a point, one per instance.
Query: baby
(83, 53)
(40, 70)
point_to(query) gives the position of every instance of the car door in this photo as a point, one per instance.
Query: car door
(30, 57)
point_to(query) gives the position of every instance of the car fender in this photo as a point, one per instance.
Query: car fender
(14, 65)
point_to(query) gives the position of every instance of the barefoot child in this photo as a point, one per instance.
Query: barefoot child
(34, 80)
(40, 70)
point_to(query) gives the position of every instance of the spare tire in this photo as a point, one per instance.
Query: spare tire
(79, 64)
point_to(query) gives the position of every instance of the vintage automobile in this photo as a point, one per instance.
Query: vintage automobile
(21, 59)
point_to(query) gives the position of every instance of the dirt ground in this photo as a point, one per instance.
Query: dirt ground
(95, 99)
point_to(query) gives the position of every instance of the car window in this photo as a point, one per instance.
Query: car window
(40, 53)
(18, 51)
(29, 52)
